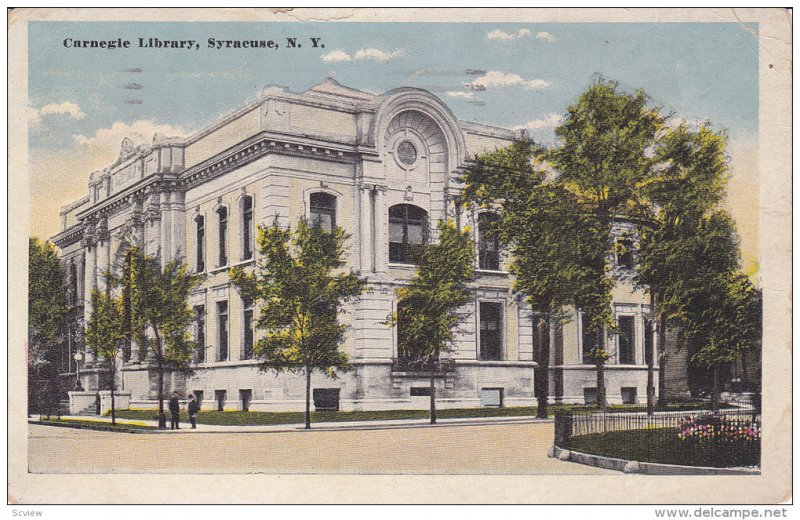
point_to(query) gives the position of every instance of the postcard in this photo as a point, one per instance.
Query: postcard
(400, 256)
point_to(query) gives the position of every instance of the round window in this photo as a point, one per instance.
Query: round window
(406, 153)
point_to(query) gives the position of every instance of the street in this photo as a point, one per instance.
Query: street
(463, 449)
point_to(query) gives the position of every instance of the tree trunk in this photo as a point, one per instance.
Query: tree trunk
(601, 377)
(662, 362)
(715, 394)
(161, 420)
(601, 386)
(433, 392)
(308, 398)
(650, 375)
(542, 372)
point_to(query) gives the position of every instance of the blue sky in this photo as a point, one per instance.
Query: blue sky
(510, 75)
(698, 71)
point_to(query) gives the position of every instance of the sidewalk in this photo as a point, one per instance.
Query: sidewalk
(185, 427)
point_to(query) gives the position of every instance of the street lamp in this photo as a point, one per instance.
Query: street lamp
(78, 357)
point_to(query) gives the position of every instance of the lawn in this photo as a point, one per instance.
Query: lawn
(662, 445)
(96, 424)
(234, 418)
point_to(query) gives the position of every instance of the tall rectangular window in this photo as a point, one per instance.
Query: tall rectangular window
(488, 245)
(247, 228)
(624, 252)
(626, 340)
(201, 244)
(407, 232)
(491, 331)
(590, 338)
(323, 211)
(200, 338)
(223, 236)
(247, 347)
(222, 320)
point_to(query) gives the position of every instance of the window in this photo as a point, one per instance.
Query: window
(323, 211)
(488, 245)
(624, 251)
(200, 222)
(491, 331)
(200, 337)
(407, 231)
(247, 228)
(245, 396)
(492, 397)
(247, 347)
(626, 340)
(590, 395)
(220, 396)
(628, 394)
(326, 399)
(223, 236)
(222, 319)
(589, 339)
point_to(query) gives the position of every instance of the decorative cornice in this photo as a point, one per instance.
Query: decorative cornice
(69, 236)
(253, 149)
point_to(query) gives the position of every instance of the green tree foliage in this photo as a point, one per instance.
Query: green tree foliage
(160, 316)
(300, 294)
(605, 157)
(430, 304)
(553, 242)
(105, 333)
(47, 314)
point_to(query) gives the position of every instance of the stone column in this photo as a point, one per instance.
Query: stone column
(381, 225)
(152, 229)
(103, 252)
(166, 228)
(366, 237)
(177, 238)
(90, 251)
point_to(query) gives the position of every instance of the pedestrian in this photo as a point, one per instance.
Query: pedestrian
(192, 409)
(174, 410)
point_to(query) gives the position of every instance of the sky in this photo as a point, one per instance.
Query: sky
(82, 102)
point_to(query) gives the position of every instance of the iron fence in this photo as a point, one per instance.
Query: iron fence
(729, 437)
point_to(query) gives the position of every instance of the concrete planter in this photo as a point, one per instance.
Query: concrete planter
(83, 401)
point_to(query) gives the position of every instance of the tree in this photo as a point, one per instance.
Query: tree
(47, 312)
(604, 157)
(688, 184)
(300, 297)
(430, 304)
(160, 315)
(105, 332)
(549, 237)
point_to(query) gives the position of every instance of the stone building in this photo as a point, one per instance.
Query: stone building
(380, 166)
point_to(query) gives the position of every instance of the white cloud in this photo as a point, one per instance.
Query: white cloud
(66, 107)
(500, 35)
(461, 94)
(495, 78)
(377, 55)
(545, 36)
(337, 55)
(548, 121)
(141, 131)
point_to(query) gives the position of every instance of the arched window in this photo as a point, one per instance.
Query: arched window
(322, 208)
(247, 228)
(200, 223)
(222, 213)
(488, 245)
(407, 231)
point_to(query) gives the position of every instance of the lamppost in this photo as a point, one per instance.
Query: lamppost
(78, 357)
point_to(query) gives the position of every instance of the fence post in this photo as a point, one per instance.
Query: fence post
(563, 430)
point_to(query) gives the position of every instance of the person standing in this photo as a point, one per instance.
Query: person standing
(192, 409)
(174, 411)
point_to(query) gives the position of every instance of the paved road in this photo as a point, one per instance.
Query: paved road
(473, 449)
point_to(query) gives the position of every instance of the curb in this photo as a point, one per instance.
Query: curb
(100, 427)
(644, 468)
